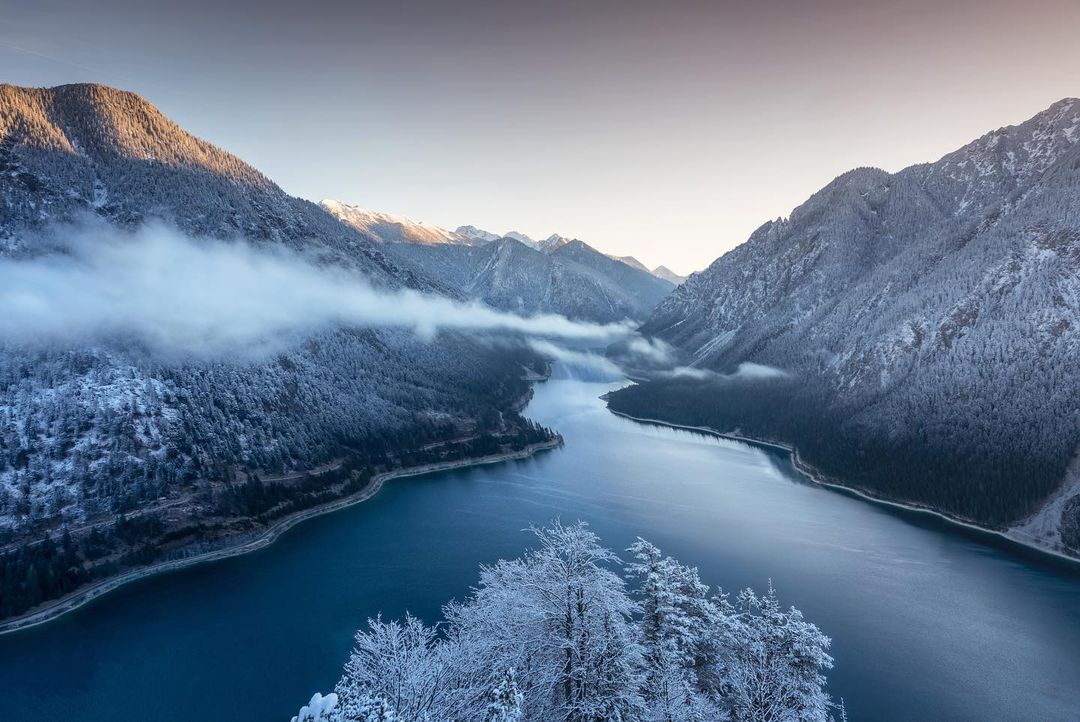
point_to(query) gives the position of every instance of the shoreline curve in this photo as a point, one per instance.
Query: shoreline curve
(821, 480)
(81, 597)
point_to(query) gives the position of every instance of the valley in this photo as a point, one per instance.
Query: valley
(539, 362)
(997, 627)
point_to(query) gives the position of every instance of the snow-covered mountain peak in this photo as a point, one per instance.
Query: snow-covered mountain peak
(1012, 157)
(521, 238)
(552, 242)
(668, 275)
(477, 234)
(391, 227)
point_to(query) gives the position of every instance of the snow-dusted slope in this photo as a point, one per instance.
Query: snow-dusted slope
(632, 262)
(391, 228)
(552, 242)
(940, 301)
(89, 150)
(476, 234)
(575, 279)
(668, 275)
(521, 238)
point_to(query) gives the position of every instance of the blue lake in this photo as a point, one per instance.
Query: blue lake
(927, 623)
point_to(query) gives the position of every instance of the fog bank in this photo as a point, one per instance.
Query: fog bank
(175, 295)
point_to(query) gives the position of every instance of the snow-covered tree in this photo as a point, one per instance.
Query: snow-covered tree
(319, 709)
(775, 663)
(403, 665)
(680, 625)
(555, 635)
(504, 701)
(562, 618)
(367, 709)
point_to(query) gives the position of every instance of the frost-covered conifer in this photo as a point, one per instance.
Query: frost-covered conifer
(505, 700)
(776, 662)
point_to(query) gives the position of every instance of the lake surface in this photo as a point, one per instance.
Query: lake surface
(927, 624)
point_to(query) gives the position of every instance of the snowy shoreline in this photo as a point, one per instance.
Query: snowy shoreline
(85, 595)
(818, 478)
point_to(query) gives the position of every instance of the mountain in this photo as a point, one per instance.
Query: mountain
(88, 150)
(929, 321)
(390, 228)
(668, 275)
(477, 234)
(521, 238)
(552, 242)
(192, 453)
(574, 279)
(632, 262)
(645, 288)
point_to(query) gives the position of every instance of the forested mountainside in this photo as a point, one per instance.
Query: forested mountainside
(929, 322)
(74, 150)
(571, 279)
(132, 457)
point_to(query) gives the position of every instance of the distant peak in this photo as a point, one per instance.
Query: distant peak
(392, 227)
(519, 236)
(553, 242)
(668, 275)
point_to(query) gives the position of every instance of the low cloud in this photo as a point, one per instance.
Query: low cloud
(749, 370)
(653, 350)
(746, 371)
(176, 295)
(579, 359)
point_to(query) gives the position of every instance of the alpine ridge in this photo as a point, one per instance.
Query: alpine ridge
(572, 279)
(577, 283)
(392, 228)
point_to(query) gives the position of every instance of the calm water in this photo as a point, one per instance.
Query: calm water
(926, 624)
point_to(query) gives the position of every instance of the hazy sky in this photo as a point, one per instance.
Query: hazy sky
(665, 130)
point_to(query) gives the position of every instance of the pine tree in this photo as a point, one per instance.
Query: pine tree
(505, 700)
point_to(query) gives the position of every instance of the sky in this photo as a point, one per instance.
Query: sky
(664, 130)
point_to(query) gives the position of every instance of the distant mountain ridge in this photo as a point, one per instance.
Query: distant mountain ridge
(556, 275)
(574, 279)
(936, 311)
(390, 228)
(477, 234)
